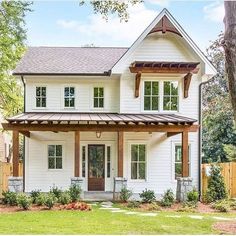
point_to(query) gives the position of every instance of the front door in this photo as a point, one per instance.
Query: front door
(96, 167)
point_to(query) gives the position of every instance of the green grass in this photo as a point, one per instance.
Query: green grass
(101, 222)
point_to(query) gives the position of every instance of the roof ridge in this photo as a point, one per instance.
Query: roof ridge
(76, 47)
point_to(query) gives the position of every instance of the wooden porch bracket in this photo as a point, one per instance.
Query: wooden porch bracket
(120, 136)
(15, 147)
(137, 83)
(25, 133)
(185, 153)
(187, 80)
(77, 154)
(170, 134)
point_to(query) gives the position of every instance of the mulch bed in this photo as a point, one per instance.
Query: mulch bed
(225, 227)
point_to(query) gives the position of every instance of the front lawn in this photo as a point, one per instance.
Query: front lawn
(100, 221)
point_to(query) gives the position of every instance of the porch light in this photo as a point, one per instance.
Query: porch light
(98, 134)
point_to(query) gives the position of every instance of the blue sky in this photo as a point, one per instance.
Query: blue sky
(65, 23)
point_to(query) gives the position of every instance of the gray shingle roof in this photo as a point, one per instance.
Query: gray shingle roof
(68, 60)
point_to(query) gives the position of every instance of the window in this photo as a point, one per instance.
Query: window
(54, 156)
(83, 161)
(40, 96)
(178, 161)
(69, 97)
(138, 161)
(108, 161)
(170, 99)
(151, 95)
(98, 97)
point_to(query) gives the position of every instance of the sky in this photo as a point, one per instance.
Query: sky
(66, 23)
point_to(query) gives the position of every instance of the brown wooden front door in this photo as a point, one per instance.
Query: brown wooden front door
(96, 167)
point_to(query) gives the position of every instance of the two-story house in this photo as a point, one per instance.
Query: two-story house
(97, 113)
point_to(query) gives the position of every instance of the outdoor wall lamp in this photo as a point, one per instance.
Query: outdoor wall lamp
(98, 134)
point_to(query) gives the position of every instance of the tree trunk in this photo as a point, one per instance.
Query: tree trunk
(230, 49)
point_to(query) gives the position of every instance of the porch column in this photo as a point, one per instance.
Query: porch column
(77, 154)
(120, 153)
(185, 154)
(15, 152)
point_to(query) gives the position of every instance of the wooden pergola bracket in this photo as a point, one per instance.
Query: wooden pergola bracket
(187, 80)
(137, 83)
(25, 133)
(170, 134)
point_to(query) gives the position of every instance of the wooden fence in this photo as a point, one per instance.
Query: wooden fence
(228, 170)
(6, 170)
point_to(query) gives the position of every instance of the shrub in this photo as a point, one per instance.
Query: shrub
(133, 204)
(189, 204)
(64, 198)
(192, 196)
(9, 198)
(56, 191)
(168, 198)
(233, 204)
(186, 208)
(125, 194)
(75, 192)
(34, 194)
(50, 200)
(24, 201)
(147, 196)
(154, 207)
(222, 206)
(40, 199)
(216, 189)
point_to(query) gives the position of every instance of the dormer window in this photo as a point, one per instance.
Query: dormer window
(151, 95)
(41, 97)
(69, 97)
(170, 96)
(98, 97)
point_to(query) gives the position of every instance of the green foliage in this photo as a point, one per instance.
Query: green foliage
(50, 200)
(75, 192)
(12, 39)
(24, 201)
(9, 198)
(147, 196)
(154, 207)
(133, 204)
(64, 198)
(56, 191)
(168, 198)
(34, 194)
(222, 206)
(40, 199)
(218, 126)
(192, 196)
(125, 194)
(186, 207)
(230, 151)
(216, 189)
(232, 204)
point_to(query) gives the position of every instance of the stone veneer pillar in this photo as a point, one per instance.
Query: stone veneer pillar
(119, 183)
(184, 185)
(78, 181)
(15, 184)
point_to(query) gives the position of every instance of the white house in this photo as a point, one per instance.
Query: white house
(98, 113)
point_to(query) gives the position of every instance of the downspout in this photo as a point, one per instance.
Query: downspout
(22, 79)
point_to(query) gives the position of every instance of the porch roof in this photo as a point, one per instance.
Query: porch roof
(100, 118)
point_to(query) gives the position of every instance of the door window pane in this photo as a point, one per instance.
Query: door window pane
(108, 162)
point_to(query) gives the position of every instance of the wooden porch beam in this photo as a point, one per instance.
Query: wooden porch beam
(187, 80)
(77, 154)
(170, 134)
(120, 153)
(163, 70)
(25, 133)
(185, 153)
(137, 84)
(15, 147)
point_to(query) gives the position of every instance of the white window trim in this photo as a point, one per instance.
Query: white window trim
(40, 108)
(137, 142)
(173, 144)
(63, 155)
(92, 97)
(63, 96)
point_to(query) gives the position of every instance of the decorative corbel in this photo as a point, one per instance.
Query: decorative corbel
(137, 83)
(187, 80)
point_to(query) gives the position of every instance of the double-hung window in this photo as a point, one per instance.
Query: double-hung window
(98, 97)
(41, 97)
(138, 161)
(178, 160)
(54, 156)
(69, 97)
(170, 96)
(151, 95)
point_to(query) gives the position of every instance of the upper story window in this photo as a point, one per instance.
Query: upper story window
(170, 96)
(151, 95)
(69, 97)
(98, 97)
(41, 97)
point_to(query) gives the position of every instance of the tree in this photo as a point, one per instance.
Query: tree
(12, 38)
(107, 7)
(229, 45)
(218, 127)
